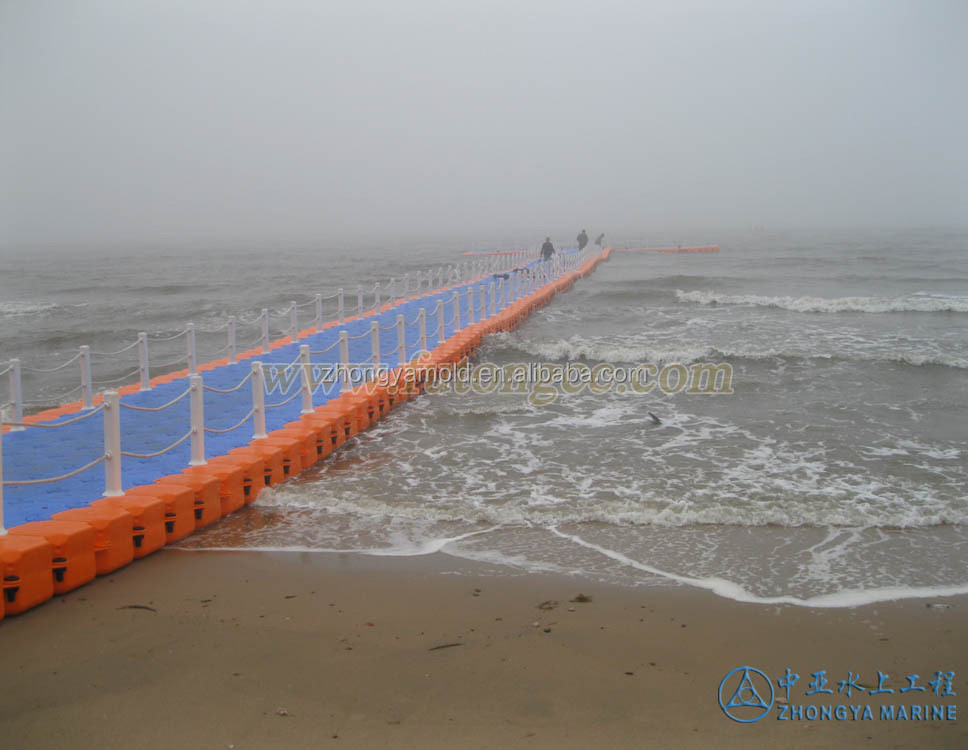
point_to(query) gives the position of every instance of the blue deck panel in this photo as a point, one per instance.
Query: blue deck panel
(35, 453)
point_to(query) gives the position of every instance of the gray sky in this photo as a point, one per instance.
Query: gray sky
(291, 120)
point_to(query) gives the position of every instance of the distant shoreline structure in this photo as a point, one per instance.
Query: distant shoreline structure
(700, 249)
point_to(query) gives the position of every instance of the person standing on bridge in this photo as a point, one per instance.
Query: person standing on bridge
(582, 240)
(600, 239)
(547, 249)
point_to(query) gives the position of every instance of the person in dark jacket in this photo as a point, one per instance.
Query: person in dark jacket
(547, 249)
(600, 239)
(582, 240)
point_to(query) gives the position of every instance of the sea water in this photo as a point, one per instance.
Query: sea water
(832, 473)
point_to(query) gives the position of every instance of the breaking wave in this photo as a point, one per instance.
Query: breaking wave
(926, 303)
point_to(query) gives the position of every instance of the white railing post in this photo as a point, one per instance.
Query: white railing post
(344, 361)
(307, 388)
(196, 399)
(340, 313)
(87, 385)
(441, 333)
(493, 299)
(144, 367)
(376, 292)
(190, 345)
(406, 285)
(422, 328)
(456, 299)
(470, 305)
(265, 331)
(16, 396)
(482, 295)
(112, 444)
(401, 340)
(359, 302)
(258, 402)
(375, 344)
(293, 323)
(231, 342)
(319, 311)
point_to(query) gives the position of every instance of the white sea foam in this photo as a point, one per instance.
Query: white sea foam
(731, 590)
(16, 308)
(631, 349)
(933, 303)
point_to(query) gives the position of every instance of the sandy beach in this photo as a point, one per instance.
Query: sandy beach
(264, 650)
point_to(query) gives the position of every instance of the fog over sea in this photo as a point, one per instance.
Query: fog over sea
(834, 474)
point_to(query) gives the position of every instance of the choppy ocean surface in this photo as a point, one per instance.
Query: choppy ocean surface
(833, 474)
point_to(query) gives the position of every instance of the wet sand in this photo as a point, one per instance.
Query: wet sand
(273, 650)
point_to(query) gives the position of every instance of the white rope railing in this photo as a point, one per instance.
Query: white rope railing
(328, 348)
(250, 345)
(182, 358)
(55, 399)
(112, 381)
(217, 431)
(71, 361)
(236, 387)
(43, 426)
(48, 480)
(164, 406)
(394, 350)
(244, 319)
(122, 350)
(283, 403)
(182, 439)
(169, 338)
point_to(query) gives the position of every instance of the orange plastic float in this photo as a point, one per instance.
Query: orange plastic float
(113, 534)
(148, 515)
(231, 481)
(305, 441)
(272, 461)
(291, 450)
(253, 473)
(325, 431)
(72, 542)
(26, 572)
(179, 505)
(206, 503)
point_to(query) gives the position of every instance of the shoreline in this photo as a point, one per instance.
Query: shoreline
(255, 649)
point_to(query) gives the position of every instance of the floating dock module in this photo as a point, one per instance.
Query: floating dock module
(73, 563)
(26, 565)
(113, 534)
(74, 519)
(700, 249)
